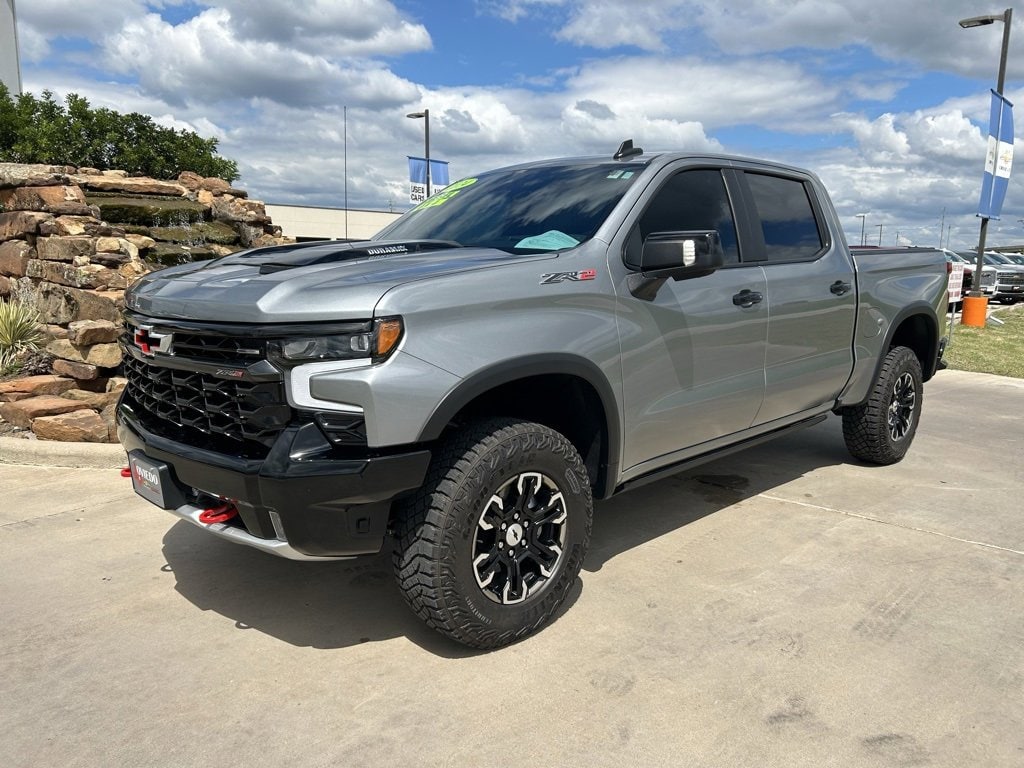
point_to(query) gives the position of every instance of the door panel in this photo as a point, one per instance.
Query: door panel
(810, 346)
(692, 362)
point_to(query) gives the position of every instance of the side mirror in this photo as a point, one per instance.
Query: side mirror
(681, 255)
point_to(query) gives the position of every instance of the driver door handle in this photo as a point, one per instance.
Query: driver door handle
(747, 298)
(839, 287)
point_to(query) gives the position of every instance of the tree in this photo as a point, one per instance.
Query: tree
(42, 130)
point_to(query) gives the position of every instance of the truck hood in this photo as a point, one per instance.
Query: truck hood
(305, 282)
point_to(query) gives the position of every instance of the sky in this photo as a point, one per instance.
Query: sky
(886, 100)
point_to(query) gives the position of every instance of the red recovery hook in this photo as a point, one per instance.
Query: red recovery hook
(220, 514)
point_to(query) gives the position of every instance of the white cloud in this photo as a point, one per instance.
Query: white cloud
(342, 27)
(202, 60)
(607, 24)
(514, 10)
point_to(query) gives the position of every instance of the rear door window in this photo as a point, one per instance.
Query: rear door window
(790, 228)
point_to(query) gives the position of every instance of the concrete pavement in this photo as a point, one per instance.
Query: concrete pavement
(782, 607)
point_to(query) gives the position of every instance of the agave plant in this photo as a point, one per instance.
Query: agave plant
(19, 334)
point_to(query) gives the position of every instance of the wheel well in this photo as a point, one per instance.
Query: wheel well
(918, 333)
(563, 402)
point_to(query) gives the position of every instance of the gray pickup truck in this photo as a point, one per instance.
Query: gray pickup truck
(523, 342)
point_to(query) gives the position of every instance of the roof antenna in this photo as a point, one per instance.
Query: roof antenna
(626, 149)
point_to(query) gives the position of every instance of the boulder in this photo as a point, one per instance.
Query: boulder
(52, 331)
(148, 211)
(64, 248)
(77, 371)
(75, 209)
(5, 286)
(23, 412)
(60, 305)
(100, 355)
(134, 186)
(141, 242)
(21, 224)
(81, 426)
(70, 226)
(40, 198)
(96, 400)
(85, 332)
(32, 174)
(200, 233)
(37, 385)
(84, 276)
(236, 210)
(15, 256)
(109, 416)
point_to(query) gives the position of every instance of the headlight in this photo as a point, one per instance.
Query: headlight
(376, 342)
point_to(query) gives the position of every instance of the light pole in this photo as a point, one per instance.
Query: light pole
(863, 220)
(425, 114)
(980, 21)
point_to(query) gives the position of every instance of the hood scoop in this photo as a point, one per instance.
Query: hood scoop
(310, 254)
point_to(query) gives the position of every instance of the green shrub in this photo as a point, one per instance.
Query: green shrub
(19, 334)
(42, 130)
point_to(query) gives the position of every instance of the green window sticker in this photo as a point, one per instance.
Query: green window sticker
(615, 175)
(445, 195)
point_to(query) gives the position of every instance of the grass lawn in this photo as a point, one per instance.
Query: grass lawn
(993, 349)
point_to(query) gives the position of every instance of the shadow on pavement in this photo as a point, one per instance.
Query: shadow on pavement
(336, 605)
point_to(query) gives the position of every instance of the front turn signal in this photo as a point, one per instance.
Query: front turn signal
(388, 334)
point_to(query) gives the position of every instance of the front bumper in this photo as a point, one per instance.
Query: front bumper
(302, 501)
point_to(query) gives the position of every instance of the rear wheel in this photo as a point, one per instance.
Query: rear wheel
(881, 430)
(489, 547)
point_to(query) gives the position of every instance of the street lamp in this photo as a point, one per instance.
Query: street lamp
(980, 21)
(863, 219)
(425, 114)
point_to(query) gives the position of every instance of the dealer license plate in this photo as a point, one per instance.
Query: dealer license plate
(147, 480)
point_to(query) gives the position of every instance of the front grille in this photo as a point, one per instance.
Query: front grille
(1011, 278)
(219, 349)
(239, 417)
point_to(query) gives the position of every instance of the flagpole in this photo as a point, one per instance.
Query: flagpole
(344, 113)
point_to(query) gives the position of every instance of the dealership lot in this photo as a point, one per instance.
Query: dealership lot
(785, 606)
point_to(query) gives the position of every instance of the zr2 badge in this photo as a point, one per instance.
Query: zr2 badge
(568, 277)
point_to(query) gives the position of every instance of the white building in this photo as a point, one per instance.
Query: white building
(305, 222)
(10, 67)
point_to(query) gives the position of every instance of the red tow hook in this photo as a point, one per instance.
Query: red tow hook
(220, 514)
(126, 472)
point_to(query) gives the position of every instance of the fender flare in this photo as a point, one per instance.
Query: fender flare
(508, 371)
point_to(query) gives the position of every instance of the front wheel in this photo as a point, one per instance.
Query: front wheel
(881, 430)
(489, 547)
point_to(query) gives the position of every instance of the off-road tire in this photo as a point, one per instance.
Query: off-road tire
(444, 532)
(881, 429)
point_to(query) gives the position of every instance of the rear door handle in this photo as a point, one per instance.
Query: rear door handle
(839, 287)
(747, 298)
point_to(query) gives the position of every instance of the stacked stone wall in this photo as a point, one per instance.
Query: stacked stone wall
(71, 241)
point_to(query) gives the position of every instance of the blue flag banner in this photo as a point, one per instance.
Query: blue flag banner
(999, 159)
(418, 177)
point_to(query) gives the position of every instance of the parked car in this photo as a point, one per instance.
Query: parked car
(1016, 258)
(1009, 285)
(988, 276)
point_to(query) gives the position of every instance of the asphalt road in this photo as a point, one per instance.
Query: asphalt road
(783, 607)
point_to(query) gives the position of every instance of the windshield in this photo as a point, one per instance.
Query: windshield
(524, 210)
